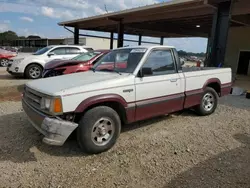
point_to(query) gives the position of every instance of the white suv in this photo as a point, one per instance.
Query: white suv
(31, 66)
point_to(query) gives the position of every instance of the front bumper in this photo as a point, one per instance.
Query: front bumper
(13, 70)
(55, 130)
(14, 73)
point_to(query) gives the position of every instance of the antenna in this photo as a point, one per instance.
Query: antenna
(106, 8)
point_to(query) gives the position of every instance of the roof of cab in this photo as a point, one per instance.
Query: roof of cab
(147, 47)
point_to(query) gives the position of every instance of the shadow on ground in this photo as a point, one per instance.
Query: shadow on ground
(236, 101)
(228, 169)
(9, 77)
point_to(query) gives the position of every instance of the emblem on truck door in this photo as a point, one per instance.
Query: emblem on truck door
(128, 90)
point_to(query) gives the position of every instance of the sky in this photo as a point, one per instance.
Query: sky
(40, 17)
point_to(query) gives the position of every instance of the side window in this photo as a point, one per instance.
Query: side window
(161, 62)
(59, 51)
(73, 50)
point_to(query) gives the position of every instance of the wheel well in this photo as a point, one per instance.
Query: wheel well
(216, 87)
(33, 64)
(114, 105)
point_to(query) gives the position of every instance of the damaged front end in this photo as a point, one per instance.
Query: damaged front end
(55, 130)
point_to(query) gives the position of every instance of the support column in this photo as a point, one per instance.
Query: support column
(76, 36)
(219, 34)
(162, 41)
(120, 34)
(111, 40)
(139, 41)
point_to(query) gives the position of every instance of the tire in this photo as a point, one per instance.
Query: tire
(4, 62)
(33, 71)
(94, 128)
(206, 108)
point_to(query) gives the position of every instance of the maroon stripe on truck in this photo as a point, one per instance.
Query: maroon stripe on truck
(226, 89)
(158, 106)
(193, 98)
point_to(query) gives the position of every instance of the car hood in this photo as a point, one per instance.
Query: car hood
(24, 56)
(59, 63)
(78, 82)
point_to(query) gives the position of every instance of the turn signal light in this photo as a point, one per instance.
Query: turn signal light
(57, 105)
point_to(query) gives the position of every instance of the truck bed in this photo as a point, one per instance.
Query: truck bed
(191, 69)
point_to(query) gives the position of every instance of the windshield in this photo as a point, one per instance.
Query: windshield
(42, 51)
(121, 60)
(86, 56)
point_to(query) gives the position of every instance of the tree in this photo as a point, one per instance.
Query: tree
(21, 37)
(8, 36)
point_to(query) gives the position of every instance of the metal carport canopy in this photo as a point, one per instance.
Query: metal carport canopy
(177, 18)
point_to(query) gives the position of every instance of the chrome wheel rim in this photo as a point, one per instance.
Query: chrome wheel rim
(208, 102)
(4, 62)
(34, 72)
(103, 131)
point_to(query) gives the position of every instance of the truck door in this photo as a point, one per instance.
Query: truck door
(161, 91)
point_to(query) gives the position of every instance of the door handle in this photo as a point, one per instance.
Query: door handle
(173, 80)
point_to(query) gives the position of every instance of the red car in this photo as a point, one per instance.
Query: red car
(80, 63)
(5, 57)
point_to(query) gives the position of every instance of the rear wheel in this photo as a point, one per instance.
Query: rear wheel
(4, 62)
(33, 71)
(208, 102)
(98, 129)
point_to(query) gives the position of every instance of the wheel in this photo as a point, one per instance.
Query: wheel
(208, 102)
(33, 71)
(98, 130)
(4, 62)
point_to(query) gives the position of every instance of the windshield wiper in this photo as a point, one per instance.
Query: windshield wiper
(92, 69)
(111, 70)
(117, 72)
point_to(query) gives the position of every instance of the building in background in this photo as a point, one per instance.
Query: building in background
(32, 45)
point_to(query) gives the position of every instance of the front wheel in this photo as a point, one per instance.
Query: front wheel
(4, 62)
(98, 130)
(33, 71)
(208, 102)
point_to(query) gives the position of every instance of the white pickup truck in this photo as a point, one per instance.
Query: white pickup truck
(127, 85)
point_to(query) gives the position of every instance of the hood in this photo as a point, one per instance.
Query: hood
(59, 63)
(73, 83)
(23, 56)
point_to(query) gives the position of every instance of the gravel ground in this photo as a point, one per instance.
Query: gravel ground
(10, 86)
(181, 150)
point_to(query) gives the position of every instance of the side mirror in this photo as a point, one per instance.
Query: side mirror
(51, 53)
(146, 71)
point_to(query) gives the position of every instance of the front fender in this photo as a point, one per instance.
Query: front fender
(100, 99)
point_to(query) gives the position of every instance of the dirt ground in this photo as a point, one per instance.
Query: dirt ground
(181, 150)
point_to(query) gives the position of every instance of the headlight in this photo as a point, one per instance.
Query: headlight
(17, 61)
(45, 103)
(53, 105)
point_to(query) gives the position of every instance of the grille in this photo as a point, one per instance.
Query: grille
(32, 98)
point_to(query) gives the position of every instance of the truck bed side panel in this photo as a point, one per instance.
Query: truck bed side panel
(196, 81)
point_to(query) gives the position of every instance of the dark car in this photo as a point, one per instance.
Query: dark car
(80, 63)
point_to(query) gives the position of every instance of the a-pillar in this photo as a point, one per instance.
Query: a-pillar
(111, 40)
(76, 36)
(162, 41)
(219, 34)
(139, 41)
(120, 34)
